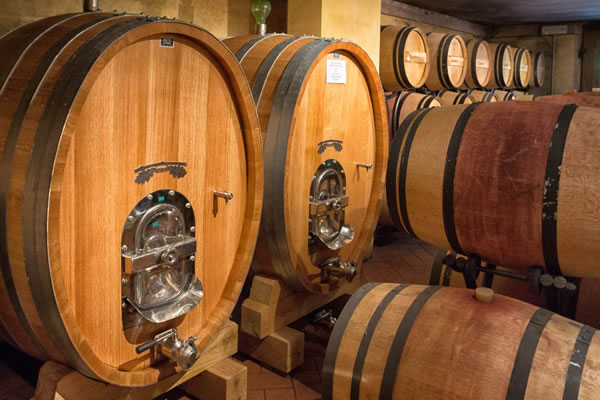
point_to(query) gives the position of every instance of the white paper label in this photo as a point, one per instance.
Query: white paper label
(167, 42)
(415, 57)
(524, 67)
(336, 71)
(455, 61)
(506, 66)
(482, 64)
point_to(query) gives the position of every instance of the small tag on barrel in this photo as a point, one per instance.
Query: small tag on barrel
(416, 57)
(455, 61)
(167, 42)
(524, 68)
(506, 65)
(482, 64)
(336, 71)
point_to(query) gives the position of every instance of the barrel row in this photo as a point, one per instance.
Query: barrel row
(426, 342)
(409, 59)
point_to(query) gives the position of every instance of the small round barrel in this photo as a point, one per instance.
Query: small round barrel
(578, 98)
(483, 96)
(480, 61)
(403, 58)
(502, 95)
(391, 102)
(108, 234)
(449, 97)
(483, 179)
(408, 102)
(323, 116)
(448, 61)
(522, 71)
(502, 66)
(539, 69)
(396, 341)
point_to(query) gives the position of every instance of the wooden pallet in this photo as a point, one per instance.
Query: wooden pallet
(266, 314)
(214, 376)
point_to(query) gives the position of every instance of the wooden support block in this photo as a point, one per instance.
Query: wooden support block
(282, 350)
(228, 380)
(265, 290)
(61, 383)
(258, 319)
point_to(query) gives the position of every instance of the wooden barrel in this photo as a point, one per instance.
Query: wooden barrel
(425, 342)
(538, 71)
(586, 297)
(449, 97)
(483, 179)
(502, 67)
(523, 96)
(480, 61)
(408, 102)
(522, 68)
(323, 116)
(391, 102)
(483, 96)
(448, 61)
(579, 99)
(502, 95)
(116, 131)
(403, 58)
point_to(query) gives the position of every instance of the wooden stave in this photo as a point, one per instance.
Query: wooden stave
(439, 45)
(556, 254)
(497, 80)
(392, 72)
(271, 257)
(75, 357)
(394, 322)
(472, 80)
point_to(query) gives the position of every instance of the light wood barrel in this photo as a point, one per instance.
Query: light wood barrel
(483, 96)
(579, 99)
(454, 180)
(99, 111)
(523, 96)
(310, 123)
(408, 102)
(538, 71)
(502, 95)
(522, 68)
(480, 60)
(448, 61)
(404, 58)
(392, 109)
(502, 67)
(450, 98)
(425, 342)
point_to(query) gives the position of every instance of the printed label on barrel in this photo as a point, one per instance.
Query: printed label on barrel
(416, 57)
(524, 68)
(506, 65)
(482, 64)
(336, 71)
(455, 61)
(167, 42)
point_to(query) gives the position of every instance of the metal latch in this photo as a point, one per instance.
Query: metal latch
(168, 344)
(327, 204)
(158, 246)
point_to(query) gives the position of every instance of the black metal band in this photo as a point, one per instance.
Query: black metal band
(363, 348)
(422, 103)
(396, 112)
(403, 170)
(536, 63)
(242, 51)
(577, 362)
(474, 63)
(517, 73)
(401, 45)
(524, 359)
(443, 69)
(449, 173)
(336, 338)
(395, 58)
(499, 65)
(552, 181)
(400, 338)
(392, 173)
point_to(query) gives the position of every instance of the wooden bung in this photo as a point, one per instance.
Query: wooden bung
(448, 61)
(98, 111)
(483, 179)
(480, 62)
(404, 58)
(321, 108)
(397, 341)
(502, 67)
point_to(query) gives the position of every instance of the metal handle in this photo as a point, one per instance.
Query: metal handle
(364, 165)
(161, 337)
(226, 195)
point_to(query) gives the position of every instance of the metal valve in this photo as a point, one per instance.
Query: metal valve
(364, 165)
(226, 195)
(168, 344)
(334, 267)
(325, 318)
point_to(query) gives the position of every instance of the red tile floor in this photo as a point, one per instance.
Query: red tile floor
(396, 258)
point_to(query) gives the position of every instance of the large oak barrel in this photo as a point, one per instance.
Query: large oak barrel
(480, 61)
(116, 130)
(502, 67)
(483, 96)
(404, 58)
(513, 182)
(448, 61)
(579, 99)
(502, 95)
(538, 70)
(323, 117)
(522, 67)
(449, 97)
(425, 342)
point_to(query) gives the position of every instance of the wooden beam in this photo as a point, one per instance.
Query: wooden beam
(402, 10)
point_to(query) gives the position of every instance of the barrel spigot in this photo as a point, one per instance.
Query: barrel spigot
(334, 267)
(168, 344)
